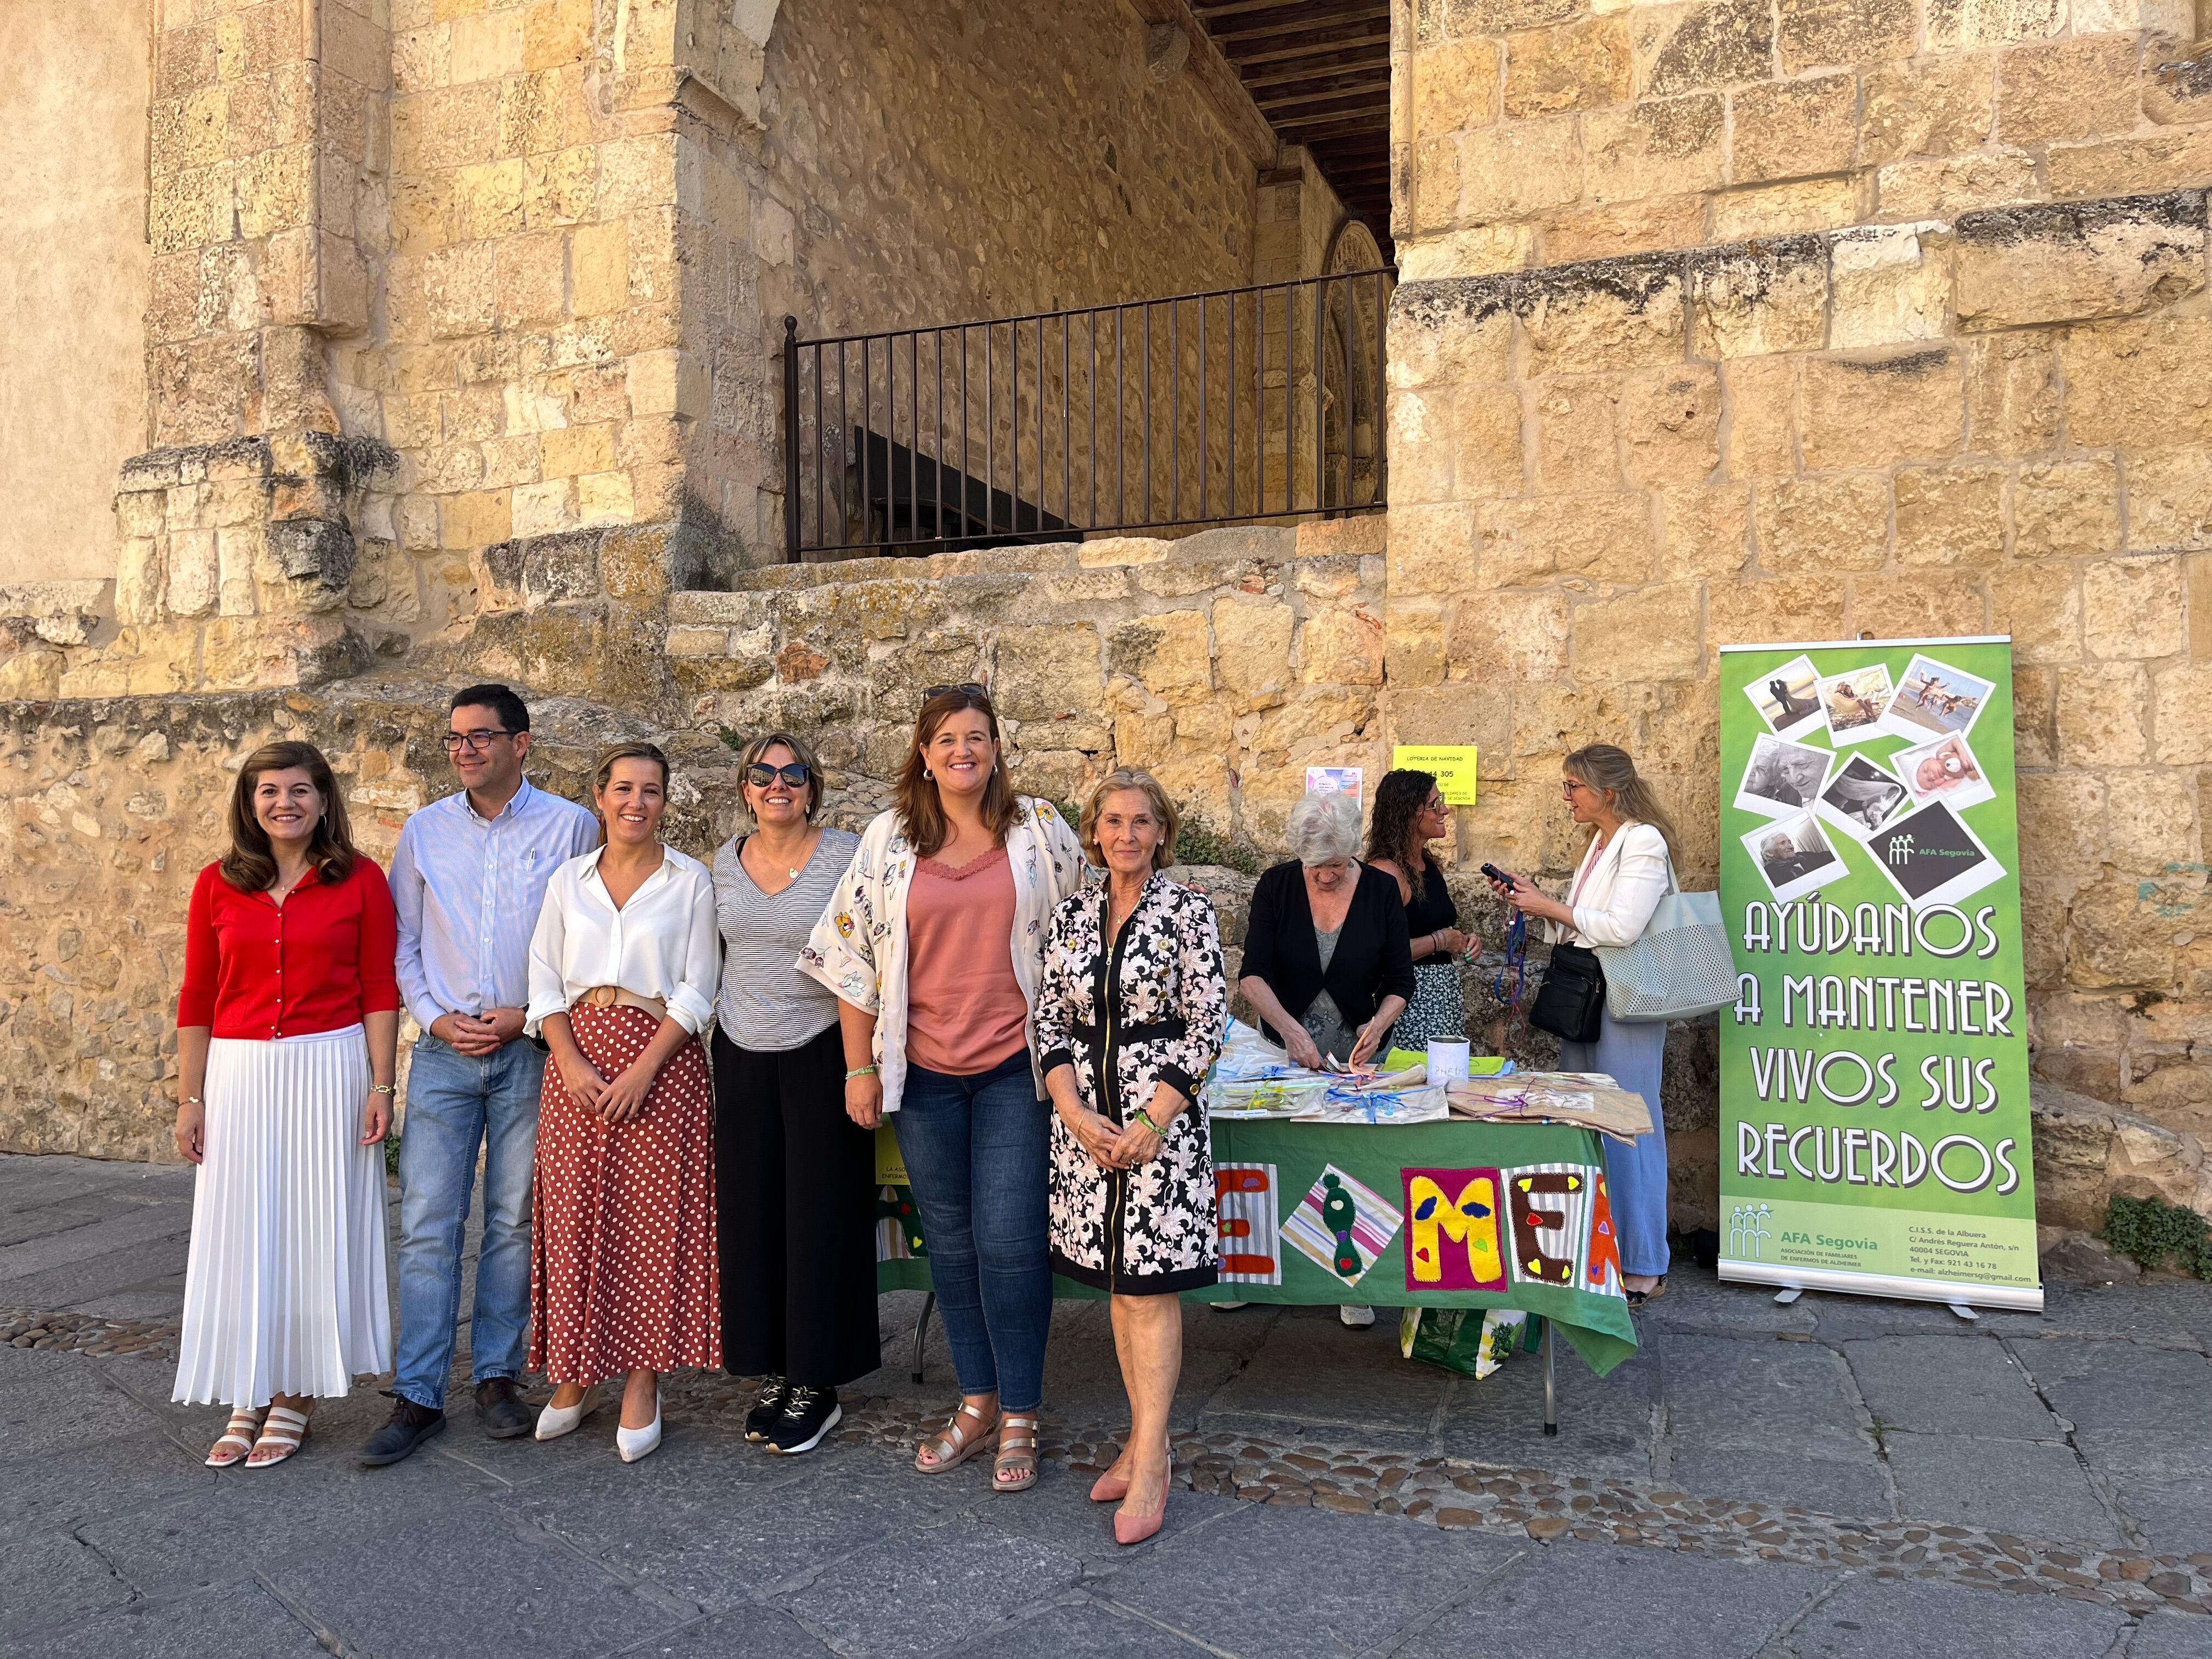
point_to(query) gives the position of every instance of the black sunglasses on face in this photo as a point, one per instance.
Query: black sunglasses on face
(968, 688)
(760, 774)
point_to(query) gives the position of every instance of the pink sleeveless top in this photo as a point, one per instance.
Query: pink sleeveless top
(964, 1011)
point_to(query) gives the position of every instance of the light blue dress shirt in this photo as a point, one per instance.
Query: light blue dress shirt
(468, 892)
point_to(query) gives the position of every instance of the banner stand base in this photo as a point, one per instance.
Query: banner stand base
(1950, 1292)
(1963, 1311)
(1783, 1299)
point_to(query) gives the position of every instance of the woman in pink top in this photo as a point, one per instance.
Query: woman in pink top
(934, 943)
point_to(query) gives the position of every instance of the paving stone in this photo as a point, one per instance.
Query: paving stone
(393, 1572)
(49, 1401)
(933, 1590)
(1961, 1385)
(47, 1222)
(1838, 1318)
(1782, 1475)
(95, 1478)
(1907, 1618)
(1312, 1369)
(1605, 1422)
(2173, 1507)
(2172, 1636)
(751, 1633)
(156, 1267)
(1061, 1516)
(2012, 1485)
(1554, 1599)
(1698, 1300)
(1308, 1582)
(243, 1620)
(676, 1524)
(1729, 1393)
(164, 1229)
(49, 1579)
(2139, 1409)
(1087, 1630)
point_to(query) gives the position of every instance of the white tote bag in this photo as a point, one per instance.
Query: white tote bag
(1680, 966)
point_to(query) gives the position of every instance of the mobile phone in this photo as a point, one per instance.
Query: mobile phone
(1497, 874)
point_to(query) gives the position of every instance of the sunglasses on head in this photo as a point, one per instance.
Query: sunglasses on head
(760, 774)
(966, 687)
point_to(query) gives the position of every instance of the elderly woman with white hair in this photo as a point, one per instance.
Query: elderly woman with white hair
(1327, 966)
(1327, 963)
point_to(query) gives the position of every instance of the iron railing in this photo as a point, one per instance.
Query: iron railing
(1223, 407)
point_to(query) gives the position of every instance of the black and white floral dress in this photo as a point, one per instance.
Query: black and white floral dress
(1150, 1006)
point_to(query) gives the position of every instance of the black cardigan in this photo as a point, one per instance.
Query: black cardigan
(1371, 961)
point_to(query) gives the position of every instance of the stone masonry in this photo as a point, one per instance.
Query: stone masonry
(1719, 322)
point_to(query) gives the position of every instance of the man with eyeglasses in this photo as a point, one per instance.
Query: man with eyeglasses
(468, 881)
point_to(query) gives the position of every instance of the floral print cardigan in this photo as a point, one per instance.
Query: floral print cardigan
(1150, 1007)
(858, 948)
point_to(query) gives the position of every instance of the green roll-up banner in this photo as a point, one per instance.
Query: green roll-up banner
(1874, 1071)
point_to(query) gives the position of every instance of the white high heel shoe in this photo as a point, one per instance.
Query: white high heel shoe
(554, 1421)
(633, 1443)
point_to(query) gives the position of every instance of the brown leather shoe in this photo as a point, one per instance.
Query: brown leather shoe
(501, 1410)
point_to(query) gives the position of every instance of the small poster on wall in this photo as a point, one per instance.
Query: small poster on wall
(1452, 763)
(1335, 780)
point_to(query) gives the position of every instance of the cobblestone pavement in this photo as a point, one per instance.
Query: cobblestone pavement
(1837, 1477)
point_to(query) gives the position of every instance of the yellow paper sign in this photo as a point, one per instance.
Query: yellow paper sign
(1452, 763)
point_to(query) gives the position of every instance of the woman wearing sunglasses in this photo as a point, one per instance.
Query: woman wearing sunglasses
(796, 1177)
(934, 943)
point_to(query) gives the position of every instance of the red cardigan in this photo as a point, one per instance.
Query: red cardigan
(319, 962)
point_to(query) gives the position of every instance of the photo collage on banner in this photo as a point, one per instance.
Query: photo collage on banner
(1874, 1071)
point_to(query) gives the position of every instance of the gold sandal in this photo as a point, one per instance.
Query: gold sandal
(244, 1425)
(953, 1446)
(1021, 1462)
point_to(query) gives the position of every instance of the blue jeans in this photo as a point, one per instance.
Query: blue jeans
(455, 1103)
(975, 1150)
(1631, 1054)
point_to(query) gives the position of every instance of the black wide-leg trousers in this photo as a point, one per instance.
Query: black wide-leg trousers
(796, 1185)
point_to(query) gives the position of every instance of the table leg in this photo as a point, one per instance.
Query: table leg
(1551, 1395)
(921, 1330)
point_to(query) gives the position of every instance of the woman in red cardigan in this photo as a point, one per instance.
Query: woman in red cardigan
(287, 1027)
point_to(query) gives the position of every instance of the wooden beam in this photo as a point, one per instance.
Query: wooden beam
(1268, 50)
(1304, 94)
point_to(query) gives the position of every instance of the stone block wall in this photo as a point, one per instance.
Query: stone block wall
(1541, 132)
(1733, 322)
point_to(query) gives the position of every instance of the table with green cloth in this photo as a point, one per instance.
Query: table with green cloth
(1447, 1214)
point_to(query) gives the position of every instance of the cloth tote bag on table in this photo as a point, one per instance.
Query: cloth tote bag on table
(1678, 966)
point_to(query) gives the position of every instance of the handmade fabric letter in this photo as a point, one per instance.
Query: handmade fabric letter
(1604, 1275)
(1448, 1208)
(1342, 1224)
(1251, 1252)
(1549, 1204)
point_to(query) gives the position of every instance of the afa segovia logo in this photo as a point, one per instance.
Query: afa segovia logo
(1900, 849)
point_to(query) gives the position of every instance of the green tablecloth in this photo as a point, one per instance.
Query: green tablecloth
(1595, 1321)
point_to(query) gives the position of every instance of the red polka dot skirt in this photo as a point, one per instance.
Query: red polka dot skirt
(622, 1273)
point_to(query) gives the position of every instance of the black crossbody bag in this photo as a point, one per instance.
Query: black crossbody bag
(1570, 1002)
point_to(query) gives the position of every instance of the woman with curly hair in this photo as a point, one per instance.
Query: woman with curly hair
(1410, 813)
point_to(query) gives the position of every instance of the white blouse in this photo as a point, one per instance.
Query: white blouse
(1613, 901)
(662, 943)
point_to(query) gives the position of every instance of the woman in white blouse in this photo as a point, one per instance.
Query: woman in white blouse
(623, 969)
(1624, 875)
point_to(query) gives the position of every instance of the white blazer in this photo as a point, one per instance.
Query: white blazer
(1613, 901)
(858, 948)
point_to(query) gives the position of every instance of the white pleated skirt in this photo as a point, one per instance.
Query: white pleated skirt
(285, 1289)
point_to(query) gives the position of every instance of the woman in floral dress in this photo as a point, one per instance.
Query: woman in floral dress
(1133, 1008)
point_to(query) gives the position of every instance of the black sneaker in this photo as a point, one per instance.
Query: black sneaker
(808, 1415)
(410, 1426)
(767, 1408)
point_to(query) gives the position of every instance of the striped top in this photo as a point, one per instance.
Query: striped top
(468, 890)
(766, 1004)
